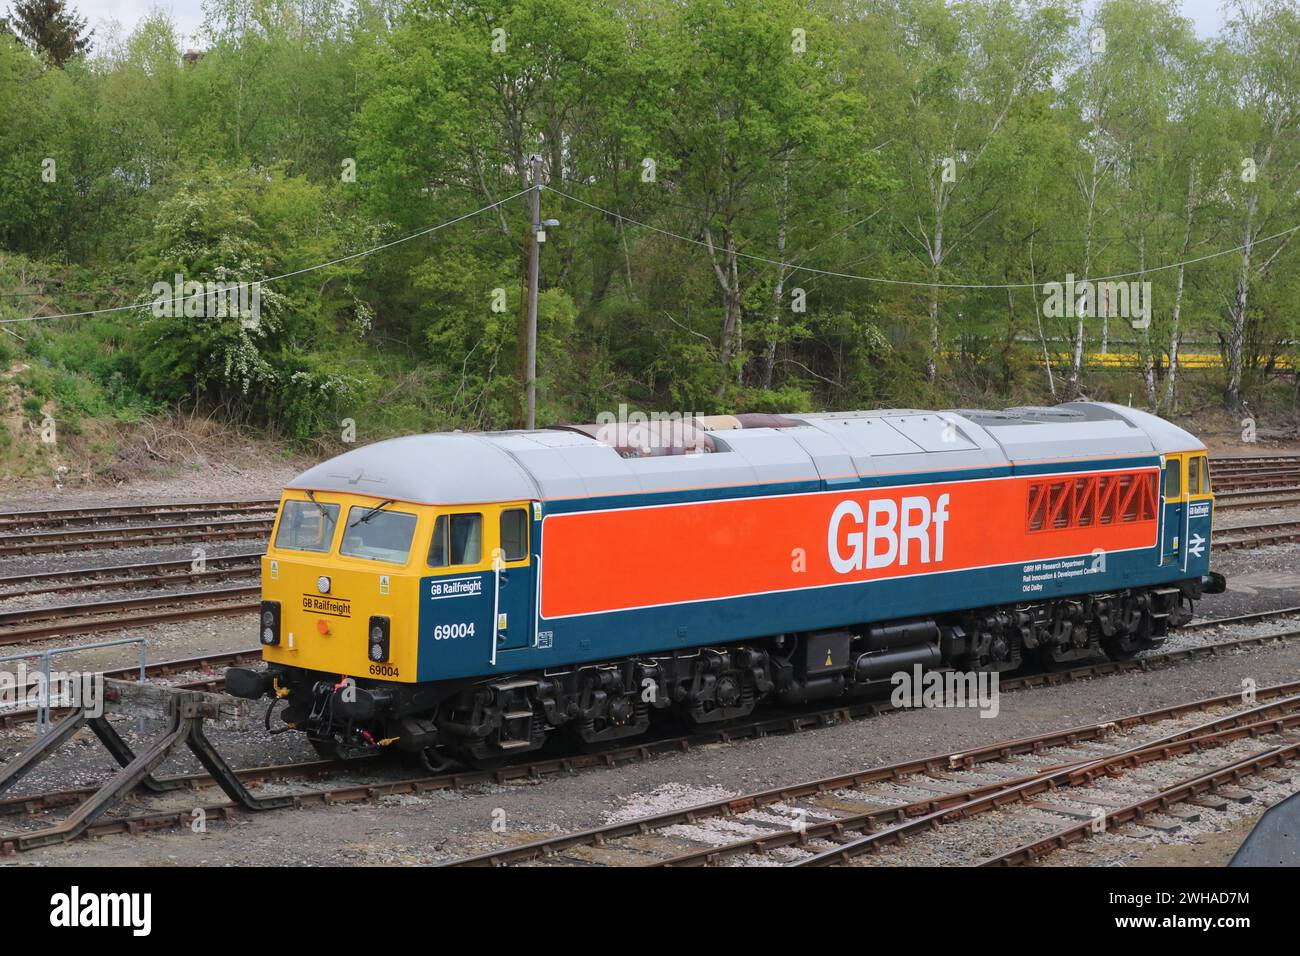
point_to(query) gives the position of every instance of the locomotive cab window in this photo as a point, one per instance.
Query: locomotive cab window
(457, 539)
(378, 535)
(1204, 470)
(1194, 476)
(306, 526)
(514, 534)
(1173, 479)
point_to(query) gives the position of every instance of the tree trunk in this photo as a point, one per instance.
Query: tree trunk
(1038, 314)
(1175, 333)
(1073, 388)
(1237, 312)
(778, 290)
(936, 265)
(1148, 359)
(726, 273)
(738, 325)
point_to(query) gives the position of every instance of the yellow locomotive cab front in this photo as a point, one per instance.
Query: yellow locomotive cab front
(340, 583)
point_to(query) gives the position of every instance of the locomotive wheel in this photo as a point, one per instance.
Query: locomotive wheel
(628, 717)
(736, 699)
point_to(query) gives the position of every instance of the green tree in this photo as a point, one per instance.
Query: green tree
(1265, 38)
(51, 27)
(279, 368)
(749, 98)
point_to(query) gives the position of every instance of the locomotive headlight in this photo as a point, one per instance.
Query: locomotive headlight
(270, 622)
(379, 639)
(323, 584)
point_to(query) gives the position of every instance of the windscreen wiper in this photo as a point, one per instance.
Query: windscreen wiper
(324, 515)
(372, 512)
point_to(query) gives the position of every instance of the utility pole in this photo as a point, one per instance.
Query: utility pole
(535, 239)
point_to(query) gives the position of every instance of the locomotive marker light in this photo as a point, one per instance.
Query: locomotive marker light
(892, 523)
(270, 622)
(379, 639)
(323, 584)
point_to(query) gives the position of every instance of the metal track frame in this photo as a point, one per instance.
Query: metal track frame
(186, 712)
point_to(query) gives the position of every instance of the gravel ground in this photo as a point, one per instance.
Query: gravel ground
(207, 484)
(90, 560)
(443, 825)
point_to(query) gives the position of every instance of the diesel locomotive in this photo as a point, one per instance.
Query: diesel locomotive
(463, 596)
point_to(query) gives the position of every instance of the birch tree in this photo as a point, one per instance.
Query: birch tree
(1265, 34)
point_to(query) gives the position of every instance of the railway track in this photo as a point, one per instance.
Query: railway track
(1248, 462)
(79, 517)
(76, 620)
(1255, 535)
(142, 575)
(1080, 793)
(1201, 789)
(1254, 617)
(36, 804)
(135, 536)
(1256, 499)
(1255, 479)
(816, 818)
(539, 768)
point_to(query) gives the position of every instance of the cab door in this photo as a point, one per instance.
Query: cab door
(1200, 513)
(1175, 525)
(514, 575)
(458, 595)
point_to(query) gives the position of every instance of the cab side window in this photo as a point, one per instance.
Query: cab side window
(1194, 476)
(466, 539)
(1173, 479)
(514, 534)
(1205, 475)
(457, 539)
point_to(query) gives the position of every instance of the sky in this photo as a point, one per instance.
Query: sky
(1206, 14)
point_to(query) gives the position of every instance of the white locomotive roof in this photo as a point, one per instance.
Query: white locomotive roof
(549, 464)
(451, 469)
